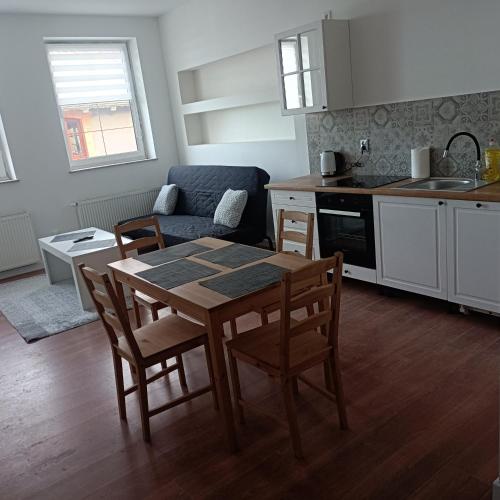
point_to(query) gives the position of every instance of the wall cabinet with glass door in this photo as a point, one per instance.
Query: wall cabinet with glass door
(314, 67)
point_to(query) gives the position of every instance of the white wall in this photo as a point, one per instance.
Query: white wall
(401, 50)
(28, 108)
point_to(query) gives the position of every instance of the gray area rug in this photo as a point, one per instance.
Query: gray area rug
(37, 309)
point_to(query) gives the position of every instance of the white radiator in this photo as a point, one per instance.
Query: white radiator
(105, 212)
(18, 245)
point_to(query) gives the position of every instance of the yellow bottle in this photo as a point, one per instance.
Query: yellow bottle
(492, 156)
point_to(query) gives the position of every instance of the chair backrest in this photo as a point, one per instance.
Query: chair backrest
(305, 287)
(139, 243)
(285, 234)
(113, 317)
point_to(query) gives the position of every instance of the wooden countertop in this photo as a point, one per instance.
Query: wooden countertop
(313, 183)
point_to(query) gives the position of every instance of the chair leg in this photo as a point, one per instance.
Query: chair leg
(120, 391)
(174, 311)
(137, 312)
(310, 310)
(182, 372)
(211, 376)
(336, 377)
(234, 328)
(235, 379)
(291, 412)
(264, 318)
(133, 373)
(295, 386)
(154, 314)
(143, 401)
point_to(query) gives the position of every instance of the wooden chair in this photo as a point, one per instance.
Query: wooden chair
(149, 345)
(139, 298)
(283, 235)
(286, 348)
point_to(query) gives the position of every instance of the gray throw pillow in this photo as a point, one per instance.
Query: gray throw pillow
(166, 201)
(230, 208)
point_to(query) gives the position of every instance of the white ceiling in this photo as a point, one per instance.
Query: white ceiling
(101, 7)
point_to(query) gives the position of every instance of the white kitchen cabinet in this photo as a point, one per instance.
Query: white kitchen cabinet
(314, 67)
(474, 254)
(410, 242)
(296, 201)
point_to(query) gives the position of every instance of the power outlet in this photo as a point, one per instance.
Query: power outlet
(364, 146)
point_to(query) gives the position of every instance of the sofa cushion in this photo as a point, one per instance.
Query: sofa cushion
(167, 200)
(178, 229)
(230, 208)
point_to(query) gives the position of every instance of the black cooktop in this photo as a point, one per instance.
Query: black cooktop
(362, 181)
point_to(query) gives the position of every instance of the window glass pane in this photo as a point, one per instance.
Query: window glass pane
(312, 88)
(289, 54)
(292, 92)
(85, 145)
(82, 118)
(309, 49)
(120, 140)
(116, 115)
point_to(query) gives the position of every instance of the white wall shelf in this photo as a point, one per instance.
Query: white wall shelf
(234, 100)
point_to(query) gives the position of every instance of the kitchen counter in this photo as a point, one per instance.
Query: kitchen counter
(312, 183)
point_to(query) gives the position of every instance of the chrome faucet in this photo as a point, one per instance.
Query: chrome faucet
(477, 166)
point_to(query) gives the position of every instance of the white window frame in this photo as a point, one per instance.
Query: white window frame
(113, 159)
(6, 157)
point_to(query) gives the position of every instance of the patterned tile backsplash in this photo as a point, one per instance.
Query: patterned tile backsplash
(394, 129)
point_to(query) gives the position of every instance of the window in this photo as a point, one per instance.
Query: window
(97, 103)
(6, 167)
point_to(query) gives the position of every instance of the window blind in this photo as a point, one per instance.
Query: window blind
(89, 73)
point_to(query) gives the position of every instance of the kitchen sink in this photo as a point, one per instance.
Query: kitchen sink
(444, 184)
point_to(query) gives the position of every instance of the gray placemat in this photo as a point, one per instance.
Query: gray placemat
(72, 236)
(246, 280)
(236, 255)
(90, 245)
(170, 254)
(176, 273)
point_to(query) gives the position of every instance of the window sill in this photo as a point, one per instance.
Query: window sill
(96, 167)
(7, 181)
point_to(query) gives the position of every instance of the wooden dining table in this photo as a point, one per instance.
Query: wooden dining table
(208, 307)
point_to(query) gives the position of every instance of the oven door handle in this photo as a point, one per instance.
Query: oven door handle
(339, 212)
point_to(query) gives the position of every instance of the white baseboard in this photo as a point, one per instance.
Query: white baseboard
(496, 489)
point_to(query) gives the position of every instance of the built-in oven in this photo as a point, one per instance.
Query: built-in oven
(345, 223)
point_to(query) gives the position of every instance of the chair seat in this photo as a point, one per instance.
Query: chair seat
(171, 333)
(262, 345)
(148, 301)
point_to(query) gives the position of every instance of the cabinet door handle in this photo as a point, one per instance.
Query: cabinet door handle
(324, 107)
(479, 205)
(291, 198)
(441, 203)
(293, 222)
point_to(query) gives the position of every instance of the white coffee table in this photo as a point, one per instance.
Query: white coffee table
(62, 264)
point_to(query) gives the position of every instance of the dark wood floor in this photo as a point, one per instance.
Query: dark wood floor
(423, 406)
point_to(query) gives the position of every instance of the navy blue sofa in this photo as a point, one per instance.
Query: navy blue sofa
(200, 189)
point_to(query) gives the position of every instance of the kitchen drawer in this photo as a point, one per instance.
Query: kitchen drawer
(297, 198)
(360, 273)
